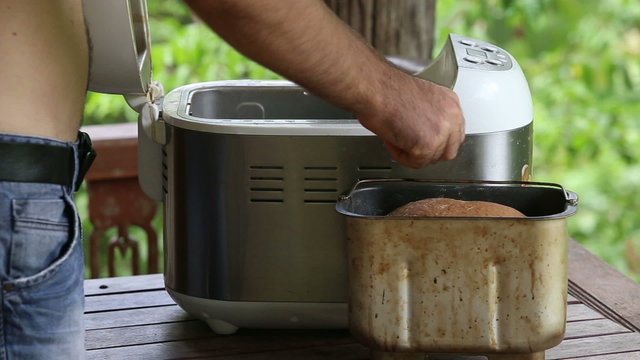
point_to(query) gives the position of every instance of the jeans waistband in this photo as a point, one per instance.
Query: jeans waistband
(41, 160)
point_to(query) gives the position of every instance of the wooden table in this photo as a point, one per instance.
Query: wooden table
(134, 318)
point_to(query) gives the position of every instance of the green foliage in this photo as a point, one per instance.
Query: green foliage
(582, 60)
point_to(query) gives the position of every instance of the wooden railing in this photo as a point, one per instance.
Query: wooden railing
(117, 202)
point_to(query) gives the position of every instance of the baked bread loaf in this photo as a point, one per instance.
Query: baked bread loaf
(452, 207)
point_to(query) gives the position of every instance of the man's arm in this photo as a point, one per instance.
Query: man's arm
(419, 122)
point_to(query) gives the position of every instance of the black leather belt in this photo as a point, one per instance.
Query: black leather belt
(40, 163)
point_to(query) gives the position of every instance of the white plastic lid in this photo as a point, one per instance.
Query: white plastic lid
(121, 52)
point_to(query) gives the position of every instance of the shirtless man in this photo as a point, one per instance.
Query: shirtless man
(44, 59)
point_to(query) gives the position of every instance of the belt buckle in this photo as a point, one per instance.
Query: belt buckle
(86, 155)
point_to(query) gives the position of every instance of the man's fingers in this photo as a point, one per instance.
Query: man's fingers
(403, 157)
(453, 145)
(451, 150)
(392, 149)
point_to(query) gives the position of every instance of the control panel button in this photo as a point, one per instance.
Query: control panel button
(477, 53)
(473, 59)
(494, 62)
(489, 48)
(467, 42)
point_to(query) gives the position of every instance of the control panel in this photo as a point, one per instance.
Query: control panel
(475, 54)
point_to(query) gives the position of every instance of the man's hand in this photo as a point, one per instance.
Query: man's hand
(419, 122)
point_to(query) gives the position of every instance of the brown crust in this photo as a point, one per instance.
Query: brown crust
(452, 207)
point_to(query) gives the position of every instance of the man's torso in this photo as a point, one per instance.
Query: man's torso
(44, 59)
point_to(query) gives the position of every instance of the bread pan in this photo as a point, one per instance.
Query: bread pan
(457, 284)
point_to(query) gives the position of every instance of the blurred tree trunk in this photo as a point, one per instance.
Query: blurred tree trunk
(396, 28)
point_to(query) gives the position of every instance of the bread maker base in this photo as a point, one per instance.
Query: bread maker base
(225, 317)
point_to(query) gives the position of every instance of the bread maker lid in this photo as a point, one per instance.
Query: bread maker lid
(120, 46)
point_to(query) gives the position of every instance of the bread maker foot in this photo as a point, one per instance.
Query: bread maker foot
(221, 327)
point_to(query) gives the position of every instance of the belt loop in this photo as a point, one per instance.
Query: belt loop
(86, 155)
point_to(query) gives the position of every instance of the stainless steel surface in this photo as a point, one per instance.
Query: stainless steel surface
(252, 218)
(476, 285)
(255, 103)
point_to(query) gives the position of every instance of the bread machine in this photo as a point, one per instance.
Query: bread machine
(249, 171)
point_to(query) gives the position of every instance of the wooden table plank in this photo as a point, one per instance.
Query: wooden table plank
(580, 312)
(618, 356)
(133, 317)
(601, 327)
(116, 285)
(600, 345)
(243, 342)
(612, 293)
(127, 301)
(147, 334)
(192, 350)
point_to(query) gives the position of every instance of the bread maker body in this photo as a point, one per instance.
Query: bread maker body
(249, 173)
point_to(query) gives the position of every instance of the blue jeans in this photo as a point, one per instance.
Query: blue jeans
(41, 269)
